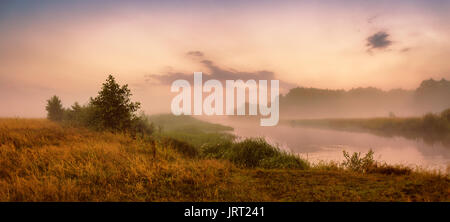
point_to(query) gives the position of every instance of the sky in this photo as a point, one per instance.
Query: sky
(67, 48)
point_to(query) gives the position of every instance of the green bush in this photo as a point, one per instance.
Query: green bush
(141, 125)
(251, 152)
(389, 169)
(258, 153)
(357, 163)
(80, 116)
(216, 150)
(284, 161)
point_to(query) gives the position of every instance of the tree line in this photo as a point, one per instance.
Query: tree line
(301, 102)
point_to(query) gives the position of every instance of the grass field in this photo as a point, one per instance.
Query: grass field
(44, 161)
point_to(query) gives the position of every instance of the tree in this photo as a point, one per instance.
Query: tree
(113, 108)
(74, 114)
(54, 109)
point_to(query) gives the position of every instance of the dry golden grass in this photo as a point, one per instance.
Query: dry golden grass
(44, 161)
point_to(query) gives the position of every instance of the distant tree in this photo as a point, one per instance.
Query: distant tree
(74, 114)
(76, 107)
(432, 95)
(113, 108)
(445, 115)
(392, 115)
(54, 109)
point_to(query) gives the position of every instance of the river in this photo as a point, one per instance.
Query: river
(317, 145)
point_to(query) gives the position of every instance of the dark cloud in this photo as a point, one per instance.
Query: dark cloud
(215, 72)
(379, 40)
(195, 53)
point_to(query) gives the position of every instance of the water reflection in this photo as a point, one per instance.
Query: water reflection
(327, 144)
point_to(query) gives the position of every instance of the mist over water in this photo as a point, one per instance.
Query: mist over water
(327, 145)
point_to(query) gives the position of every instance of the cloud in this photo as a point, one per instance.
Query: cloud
(372, 19)
(214, 72)
(195, 53)
(405, 49)
(379, 40)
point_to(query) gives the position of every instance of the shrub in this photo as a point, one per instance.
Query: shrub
(357, 163)
(258, 153)
(80, 115)
(445, 116)
(141, 125)
(284, 161)
(389, 170)
(216, 150)
(250, 152)
(431, 123)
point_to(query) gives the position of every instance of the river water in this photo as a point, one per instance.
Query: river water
(327, 144)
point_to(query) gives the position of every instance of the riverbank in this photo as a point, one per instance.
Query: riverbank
(44, 161)
(431, 128)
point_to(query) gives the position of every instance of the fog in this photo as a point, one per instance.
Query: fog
(350, 59)
(430, 96)
(68, 49)
(326, 144)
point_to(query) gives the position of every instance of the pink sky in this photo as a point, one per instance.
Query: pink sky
(69, 51)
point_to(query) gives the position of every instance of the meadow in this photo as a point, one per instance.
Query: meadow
(42, 160)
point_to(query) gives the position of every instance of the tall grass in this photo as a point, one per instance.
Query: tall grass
(44, 161)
